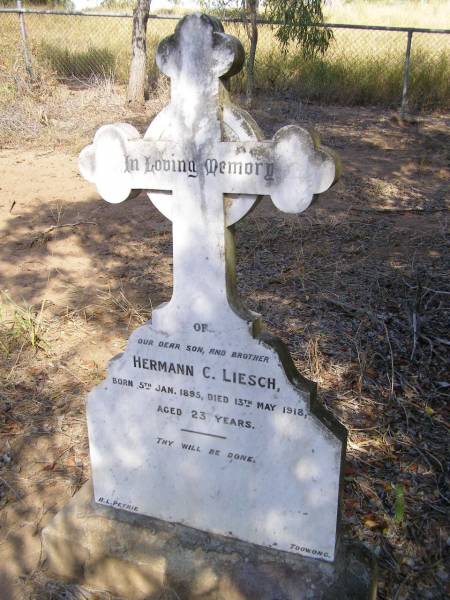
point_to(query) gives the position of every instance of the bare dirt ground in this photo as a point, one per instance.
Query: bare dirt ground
(356, 286)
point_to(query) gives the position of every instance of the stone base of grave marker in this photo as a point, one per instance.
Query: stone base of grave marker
(138, 557)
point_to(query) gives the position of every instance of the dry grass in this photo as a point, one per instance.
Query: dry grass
(360, 67)
(433, 14)
(57, 114)
(52, 112)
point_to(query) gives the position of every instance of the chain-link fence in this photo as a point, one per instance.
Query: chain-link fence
(362, 65)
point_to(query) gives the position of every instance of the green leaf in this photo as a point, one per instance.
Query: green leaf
(399, 503)
(300, 24)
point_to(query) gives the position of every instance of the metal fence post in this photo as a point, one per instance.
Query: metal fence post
(404, 105)
(23, 33)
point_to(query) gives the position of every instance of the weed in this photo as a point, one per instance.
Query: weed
(21, 327)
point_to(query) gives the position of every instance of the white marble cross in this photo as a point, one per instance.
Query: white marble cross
(205, 167)
(203, 419)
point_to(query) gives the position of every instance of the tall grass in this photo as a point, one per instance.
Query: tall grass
(21, 326)
(431, 14)
(80, 64)
(360, 67)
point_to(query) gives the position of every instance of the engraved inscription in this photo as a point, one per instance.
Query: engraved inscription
(191, 168)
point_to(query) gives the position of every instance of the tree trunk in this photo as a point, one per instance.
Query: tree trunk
(137, 84)
(252, 32)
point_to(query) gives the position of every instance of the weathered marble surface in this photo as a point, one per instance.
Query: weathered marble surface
(203, 420)
(173, 434)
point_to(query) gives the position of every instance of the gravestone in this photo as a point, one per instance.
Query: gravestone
(203, 421)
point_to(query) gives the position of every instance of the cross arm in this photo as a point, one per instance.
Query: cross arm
(119, 161)
(291, 168)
